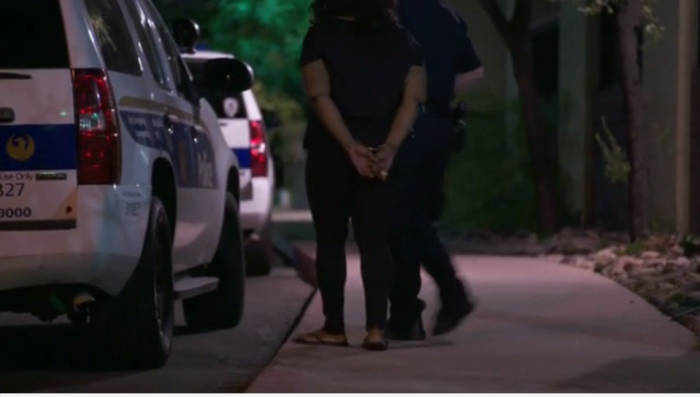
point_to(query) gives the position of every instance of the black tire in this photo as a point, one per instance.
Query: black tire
(259, 253)
(223, 307)
(135, 329)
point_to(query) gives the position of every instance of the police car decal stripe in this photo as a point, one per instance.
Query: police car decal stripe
(191, 152)
(38, 147)
(243, 155)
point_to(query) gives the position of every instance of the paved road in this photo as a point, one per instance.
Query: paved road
(540, 327)
(51, 358)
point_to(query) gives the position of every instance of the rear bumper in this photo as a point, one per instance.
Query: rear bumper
(101, 252)
(255, 213)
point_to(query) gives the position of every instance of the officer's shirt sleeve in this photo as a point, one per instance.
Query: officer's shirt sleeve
(467, 59)
(312, 48)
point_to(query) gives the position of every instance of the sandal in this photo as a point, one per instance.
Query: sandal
(375, 340)
(323, 338)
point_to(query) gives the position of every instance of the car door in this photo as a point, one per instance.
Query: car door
(200, 202)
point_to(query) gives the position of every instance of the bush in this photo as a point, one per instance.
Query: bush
(488, 184)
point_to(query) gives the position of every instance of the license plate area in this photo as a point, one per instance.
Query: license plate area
(38, 200)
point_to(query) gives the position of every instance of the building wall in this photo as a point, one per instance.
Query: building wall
(578, 72)
(668, 64)
(490, 93)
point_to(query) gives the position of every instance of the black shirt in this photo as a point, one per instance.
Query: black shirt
(367, 70)
(443, 37)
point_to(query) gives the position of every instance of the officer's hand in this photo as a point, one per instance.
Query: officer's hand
(384, 159)
(363, 159)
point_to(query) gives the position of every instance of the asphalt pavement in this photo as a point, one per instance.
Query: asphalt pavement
(54, 358)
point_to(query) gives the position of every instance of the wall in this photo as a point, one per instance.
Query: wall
(668, 64)
(578, 60)
(490, 93)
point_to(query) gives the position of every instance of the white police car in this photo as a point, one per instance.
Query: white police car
(118, 195)
(244, 130)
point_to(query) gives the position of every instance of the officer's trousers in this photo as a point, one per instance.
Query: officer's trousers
(337, 194)
(418, 177)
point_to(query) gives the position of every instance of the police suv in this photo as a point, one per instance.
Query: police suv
(118, 194)
(244, 129)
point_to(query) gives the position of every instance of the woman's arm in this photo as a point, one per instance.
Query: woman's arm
(415, 92)
(318, 88)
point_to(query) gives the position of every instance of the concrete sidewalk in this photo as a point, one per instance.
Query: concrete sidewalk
(540, 327)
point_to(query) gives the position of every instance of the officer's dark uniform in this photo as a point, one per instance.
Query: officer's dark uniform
(419, 169)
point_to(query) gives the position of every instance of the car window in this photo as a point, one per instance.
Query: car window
(229, 106)
(147, 41)
(42, 21)
(181, 78)
(116, 44)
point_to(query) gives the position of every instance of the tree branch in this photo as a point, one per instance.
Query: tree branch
(495, 13)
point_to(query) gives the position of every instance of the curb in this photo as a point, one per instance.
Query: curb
(242, 386)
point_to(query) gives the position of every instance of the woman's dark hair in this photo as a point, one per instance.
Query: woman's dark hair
(369, 13)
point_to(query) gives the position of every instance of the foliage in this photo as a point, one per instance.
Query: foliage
(488, 186)
(635, 248)
(287, 137)
(268, 35)
(690, 244)
(649, 21)
(617, 166)
(288, 110)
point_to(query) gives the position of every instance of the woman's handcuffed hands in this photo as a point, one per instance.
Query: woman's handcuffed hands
(372, 163)
(384, 158)
(362, 158)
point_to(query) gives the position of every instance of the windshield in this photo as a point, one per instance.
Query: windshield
(218, 102)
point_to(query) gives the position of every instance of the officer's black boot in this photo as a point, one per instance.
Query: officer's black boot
(457, 304)
(407, 326)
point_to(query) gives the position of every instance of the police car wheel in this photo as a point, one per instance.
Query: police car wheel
(259, 254)
(223, 307)
(135, 329)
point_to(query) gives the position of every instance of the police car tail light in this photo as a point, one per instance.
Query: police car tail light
(258, 149)
(99, 151)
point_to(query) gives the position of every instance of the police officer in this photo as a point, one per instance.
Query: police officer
(452, 67)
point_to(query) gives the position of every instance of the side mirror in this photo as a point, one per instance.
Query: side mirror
(226, 75)
(186, 34)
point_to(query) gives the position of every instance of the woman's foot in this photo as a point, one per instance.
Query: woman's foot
(375, 340)
(321, 337)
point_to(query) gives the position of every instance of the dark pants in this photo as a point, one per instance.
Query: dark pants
(337, 194)
(418, 178)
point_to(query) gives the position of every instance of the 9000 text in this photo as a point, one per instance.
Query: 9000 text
(11, 189)
(15, 213)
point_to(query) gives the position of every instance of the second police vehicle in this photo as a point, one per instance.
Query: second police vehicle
(244, 129)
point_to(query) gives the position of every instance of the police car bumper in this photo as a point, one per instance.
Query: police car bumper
(101, 251)
(255, 212)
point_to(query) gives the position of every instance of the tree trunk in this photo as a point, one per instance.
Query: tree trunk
(535, 132)
(515, 33)
(629, 18)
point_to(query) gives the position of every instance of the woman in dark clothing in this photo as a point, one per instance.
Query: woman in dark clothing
(364, 76)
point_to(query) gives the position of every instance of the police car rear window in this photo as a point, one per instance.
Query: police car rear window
(32, 35)
(216, 101)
